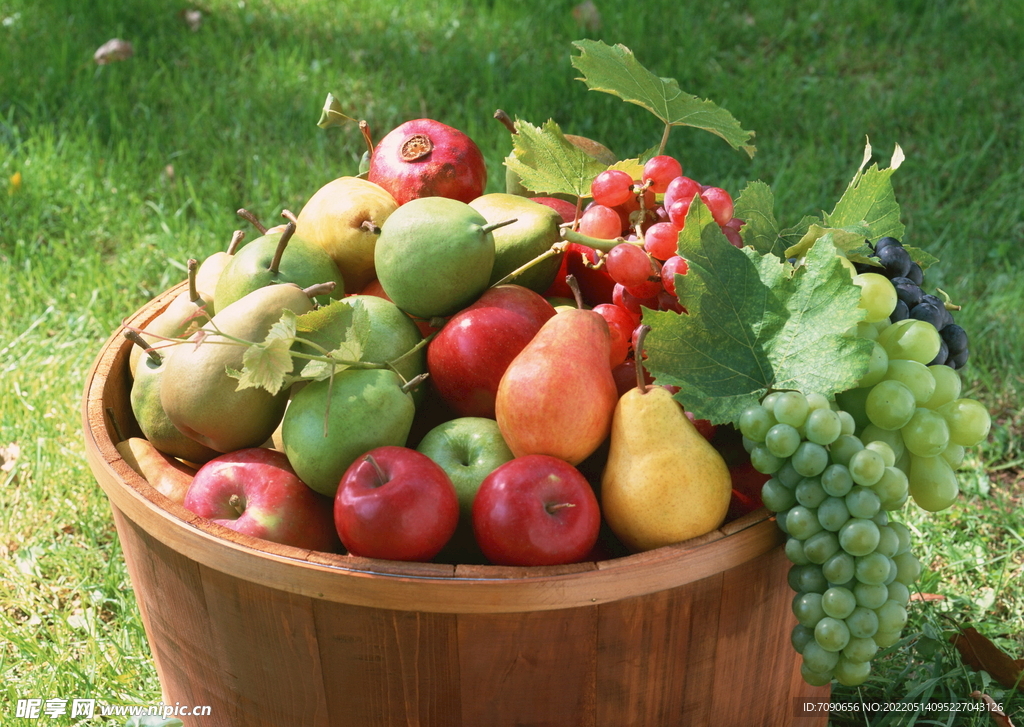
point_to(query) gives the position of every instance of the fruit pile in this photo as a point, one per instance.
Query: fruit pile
(606, 358)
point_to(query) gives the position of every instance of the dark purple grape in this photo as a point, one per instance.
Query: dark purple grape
(958, 361)
(941, 356)
(884, 242)
(916, 273)
(866, 268)
(929, 313)
(900, 312)
(896, 260)
(934, 300)
(954, 337)
(908, 291)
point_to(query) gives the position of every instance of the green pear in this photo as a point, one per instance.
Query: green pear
(434, 256)
(156, 427)
(185, 313)
(381, 331)
(329, 424)
(663, 482)
(278, 257)
(197, 393)
(532, 234)
(210, 270)
(344, 217)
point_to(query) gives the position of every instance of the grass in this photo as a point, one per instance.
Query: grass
(128, 169)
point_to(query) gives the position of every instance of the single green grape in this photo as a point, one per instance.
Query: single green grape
(821, 546)
(815, 678)
(870, 595)
(891, 616)
(807, 579)
(888, 541)
(782, 440)
(840, 568)
(969, 421)
(823, 426)
(884, 450)
(932, 483)
(833, 514)
(764, 461)
(831, 634)
(878, 365)
(795, 552)
(890, 404)
(862, 502)
(915, 375)
(859, 536)
(810, 493)
(866, 467)
(890, 437)
(838, 602)
(852, 673)
(880, 518)
(899, 593)
(768, 402)
(954, 455)
(755, 421)
(817, 659)
(908, 568)
(802, 522)
(791, 408)
(810, 459)
(842, 450)
(872, 568)
(800, 636)
(807, 609)
(926, 434)
(892, 489)
(860, 649)
(817, 401)
(877, 296)
(836, 480)
(903, 534)
(863, 622)
(788, 476)
(918, 341)
(848, 422)
(947, 386)
(885, 639)
(776, 496)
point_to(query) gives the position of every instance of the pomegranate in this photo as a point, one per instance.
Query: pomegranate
(425, 158)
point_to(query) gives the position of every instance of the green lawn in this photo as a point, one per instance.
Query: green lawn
(128, 169)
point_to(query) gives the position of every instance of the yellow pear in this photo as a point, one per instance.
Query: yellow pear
(344, 217)
(663, 482)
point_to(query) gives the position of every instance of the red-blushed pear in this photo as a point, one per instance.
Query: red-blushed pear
(256, 492)
(164, 473)
(397, 504)
(469, 355)
(536, 510)
(557, 396)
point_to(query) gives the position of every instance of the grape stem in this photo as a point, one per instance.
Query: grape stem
(592, 242)
(664, 139)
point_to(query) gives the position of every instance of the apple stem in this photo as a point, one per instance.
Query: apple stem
(364, 127)
(641, 334)
(557, 249)
(414, 382)
(237, 503)
(252, 220)
(138, 340)
(236, 241)
(555, 507)
(320, 289)
(574, 286)
(495, 225)
(382, 479)
(507, 121)
(275, 263)
(193, 265)
(370, 227)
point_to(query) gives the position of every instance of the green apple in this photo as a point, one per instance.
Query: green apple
(468, 449)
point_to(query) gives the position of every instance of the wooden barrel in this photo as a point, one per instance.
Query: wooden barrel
(690, 634)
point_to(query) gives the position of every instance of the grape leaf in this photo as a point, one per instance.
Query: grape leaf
(869, 200)
(345, 324)
(919, 256)
(331, 114)
(615, 70)
(848, 240)
(633, 167)
(755, 205)
(548, 163)
(755, 324)
(267, 364)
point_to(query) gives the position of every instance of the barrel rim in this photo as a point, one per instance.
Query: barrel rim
(431, 587)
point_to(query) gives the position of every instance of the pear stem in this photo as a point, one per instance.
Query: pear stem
(252, 220)
(370, 227)
(382, 479)
(641, 334)
(236, 241)
(193, 265)
(570, 280)
(495, 225)
(320, 289)
(138, 340)
(557, 249)
(414, 382)
(290, 216)
(364, 127)
(275, 263)
(506, 120)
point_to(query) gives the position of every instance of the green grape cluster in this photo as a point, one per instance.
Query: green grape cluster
(832, 494)
(913, 407)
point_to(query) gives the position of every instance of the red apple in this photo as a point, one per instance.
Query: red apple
(468, 357)
(595, 285)
(536, 510)
(566, 209)
(397, 504)
(255, 491)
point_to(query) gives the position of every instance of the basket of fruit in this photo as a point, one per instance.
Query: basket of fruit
(428, 455)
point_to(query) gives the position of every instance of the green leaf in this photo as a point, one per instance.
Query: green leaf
(755, 205)
(332, 115)
(615, 70)
(345, 321)
(547, 163)
(755, 324)
(919, 256)
(266, 365)
(869, 201)
(848, 240)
